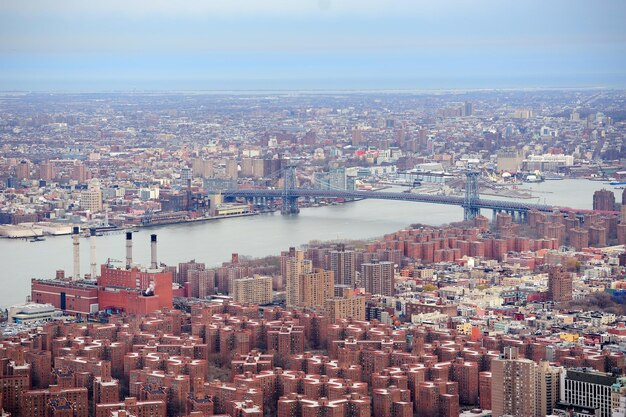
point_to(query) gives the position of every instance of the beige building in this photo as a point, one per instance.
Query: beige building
(548, 383)
(295, 265)
(315, 288)
(231, 170)
(253, 290)
(202, 168)
(247, 168)
(91, 199)
(514, 385)
(510, 160)
(349, 306)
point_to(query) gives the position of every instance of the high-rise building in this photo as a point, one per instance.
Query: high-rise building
(231, 169)
(513, 390)
(253, 290)
(378, 277)
(22, 171)
(342, 308)
(315, 288)
(604, 200)
(579, 238)
(342, 263)
(201, 282)
(46, 171)
(295, 265)
(80, 173)
(247, 168)
(91, 198)
(202, 168)
(468, 108)
(559, 284)
(548, 390)
(258, 167)
(357, 136)
(185, 267)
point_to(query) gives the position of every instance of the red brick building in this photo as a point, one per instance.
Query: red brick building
(133, 290)
(42, 403)
(75, 298)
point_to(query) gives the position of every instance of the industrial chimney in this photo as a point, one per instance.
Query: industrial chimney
(129, 249)
(153, 252)
(92, 250)
(75, 244)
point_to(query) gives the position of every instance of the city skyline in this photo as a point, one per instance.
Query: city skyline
(395, 209)
(324, 44)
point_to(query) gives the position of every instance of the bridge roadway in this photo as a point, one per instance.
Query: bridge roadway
(498, 205)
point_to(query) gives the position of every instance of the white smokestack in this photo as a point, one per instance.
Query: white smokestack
(92, 247)
(153, 252)
(129, 249)
(75, 244)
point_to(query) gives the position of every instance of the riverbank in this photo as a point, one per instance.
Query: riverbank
(213, 242)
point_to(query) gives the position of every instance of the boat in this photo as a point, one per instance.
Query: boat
(548, 176)
(534, 178)
(37, 239)
(617, 183)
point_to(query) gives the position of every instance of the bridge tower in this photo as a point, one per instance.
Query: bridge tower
(470, 204)
(290, 201)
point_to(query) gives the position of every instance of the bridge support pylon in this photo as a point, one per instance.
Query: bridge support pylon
(471, 209)
(290, 201)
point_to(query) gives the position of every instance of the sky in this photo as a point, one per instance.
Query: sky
(130, 45)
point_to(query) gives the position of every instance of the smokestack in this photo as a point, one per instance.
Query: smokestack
(92, 250)
(75, 244)
(153, 253)
(129, 249)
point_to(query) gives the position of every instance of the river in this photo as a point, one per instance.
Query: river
(213, 242)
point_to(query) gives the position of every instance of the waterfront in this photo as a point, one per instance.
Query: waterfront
(267, 234)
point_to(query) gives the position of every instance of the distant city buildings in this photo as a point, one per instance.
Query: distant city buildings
(520, 315)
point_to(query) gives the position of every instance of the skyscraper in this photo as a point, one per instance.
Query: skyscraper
(378, 277)
(513, 389)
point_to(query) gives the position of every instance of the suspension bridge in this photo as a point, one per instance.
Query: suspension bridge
(471, 202)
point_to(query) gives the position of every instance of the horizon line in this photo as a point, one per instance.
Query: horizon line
(312, 90)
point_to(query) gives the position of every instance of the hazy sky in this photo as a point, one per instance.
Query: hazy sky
(310, 44)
